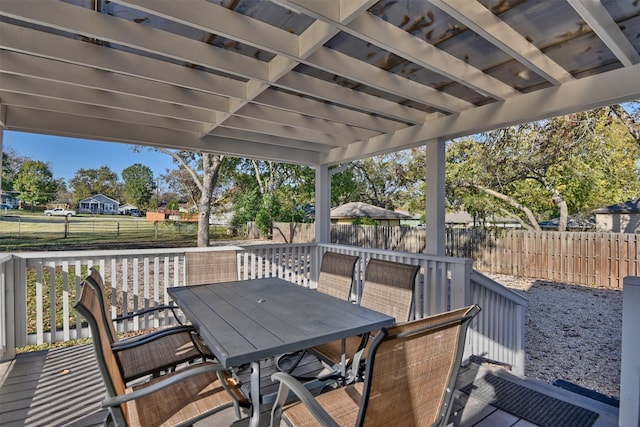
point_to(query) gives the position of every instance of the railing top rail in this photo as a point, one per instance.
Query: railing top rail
(83, 254)
(5, 257)
(492, 285)
(98, 253)
(281, 245)
(447, 259)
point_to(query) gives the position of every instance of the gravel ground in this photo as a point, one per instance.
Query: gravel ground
(572, 332)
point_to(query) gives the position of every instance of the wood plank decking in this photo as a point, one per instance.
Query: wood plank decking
(63, 387)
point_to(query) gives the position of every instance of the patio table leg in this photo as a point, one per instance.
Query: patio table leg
(343, 362)
(255, 394)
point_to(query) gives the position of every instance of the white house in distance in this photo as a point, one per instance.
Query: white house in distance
(620, 218)
(99, 204)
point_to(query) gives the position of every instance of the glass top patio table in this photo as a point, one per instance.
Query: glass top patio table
(250, 320)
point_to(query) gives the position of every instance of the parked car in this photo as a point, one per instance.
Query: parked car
(59, 212)
(4, 206)
(135, 212)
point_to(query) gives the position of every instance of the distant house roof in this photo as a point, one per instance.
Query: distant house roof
(461, 217)
(98, 198)
(364, 210)
(628, 207)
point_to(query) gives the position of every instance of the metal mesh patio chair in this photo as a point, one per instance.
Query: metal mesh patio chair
(211, 267)
(335, 279)
(152, 353)
(177, 398)
(336, 274)
(388, 288)
(409, 379)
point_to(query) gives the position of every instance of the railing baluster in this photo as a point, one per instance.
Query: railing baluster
(39, 304)
(65, 301)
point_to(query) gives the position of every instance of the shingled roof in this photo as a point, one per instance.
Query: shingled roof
(628, 207)
(364, 210)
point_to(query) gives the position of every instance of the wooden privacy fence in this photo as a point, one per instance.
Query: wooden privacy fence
(585, 258)
(592, 259)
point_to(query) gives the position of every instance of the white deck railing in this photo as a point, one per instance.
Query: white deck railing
(629, 414)
(139, 279)
(497, 333)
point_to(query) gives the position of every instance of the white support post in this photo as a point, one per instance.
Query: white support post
(1, 155)
(323, 204)
(9, 324)
(435, 197)
(323, 215)
(629, 414)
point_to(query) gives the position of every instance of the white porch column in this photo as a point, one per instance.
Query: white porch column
(629, 414)
(1, 154)
(323, 204)
(435, 197)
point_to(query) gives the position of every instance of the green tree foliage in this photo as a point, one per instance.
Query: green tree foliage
(247, 206)
(565, 165)
(11, 164)
(364, 221)
(34, 183)
(89, 182)
(344, 188)
(267, 192)
(391, 181)
(138, 185)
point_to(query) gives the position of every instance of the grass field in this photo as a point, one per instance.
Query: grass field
(33, 231)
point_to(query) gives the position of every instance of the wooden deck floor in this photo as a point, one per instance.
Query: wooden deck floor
(62, 387)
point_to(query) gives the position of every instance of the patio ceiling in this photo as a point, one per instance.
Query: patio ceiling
(307, 81)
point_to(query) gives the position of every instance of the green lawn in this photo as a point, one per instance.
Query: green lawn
(32, 231)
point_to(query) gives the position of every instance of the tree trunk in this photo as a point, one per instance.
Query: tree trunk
(211, 164)
(564, 211)
(515, 204)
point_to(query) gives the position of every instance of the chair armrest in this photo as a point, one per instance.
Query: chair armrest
(158, 386)
(288, 383)
(152, 336)
(144, 311)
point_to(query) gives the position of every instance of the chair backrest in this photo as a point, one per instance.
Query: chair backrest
(211, 267)
(388, 288)
(411, 371)
(336, 274)
(89, 306)
(95, 281)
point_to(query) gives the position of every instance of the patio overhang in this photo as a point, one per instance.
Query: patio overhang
(308, 82)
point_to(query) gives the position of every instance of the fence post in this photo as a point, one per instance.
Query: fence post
(461, 284)
(629, 414)
(66, 226)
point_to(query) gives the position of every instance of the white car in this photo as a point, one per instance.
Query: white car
(59, 212)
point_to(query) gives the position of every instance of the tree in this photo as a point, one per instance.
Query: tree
(392, 181)
(266, 192)
(89, 182)
(34, 183)
(204, 170)
(11, 164)
(570, 164)
(138, 185)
